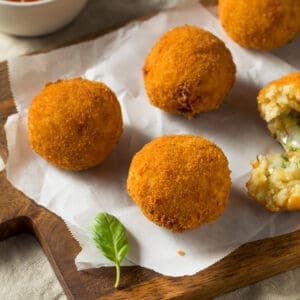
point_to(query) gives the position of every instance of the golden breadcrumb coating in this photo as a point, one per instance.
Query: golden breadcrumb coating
(74, 124)
(260, 24)
(180, 181)
(188, 71)
(275, 181)
(279, 106)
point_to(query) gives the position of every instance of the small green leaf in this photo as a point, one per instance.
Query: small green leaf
(285, 161)
(109, 235)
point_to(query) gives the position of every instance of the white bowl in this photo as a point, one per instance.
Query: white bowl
(38, 17)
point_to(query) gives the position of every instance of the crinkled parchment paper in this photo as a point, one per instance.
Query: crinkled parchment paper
(117, 59)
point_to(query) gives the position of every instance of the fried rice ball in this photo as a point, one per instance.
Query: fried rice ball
(275, 181)
(180, 181)
(74, 124)
(275, 178)
(260, 24)
(188, 71)
(279, 106)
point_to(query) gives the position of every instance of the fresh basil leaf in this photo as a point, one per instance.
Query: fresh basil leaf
(109, 235)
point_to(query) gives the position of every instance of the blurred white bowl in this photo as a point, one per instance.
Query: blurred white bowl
(38, 17)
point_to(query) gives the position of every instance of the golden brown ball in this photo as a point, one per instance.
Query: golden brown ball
(180, 181)
(188, 71)
(260, 24)
(74, 124)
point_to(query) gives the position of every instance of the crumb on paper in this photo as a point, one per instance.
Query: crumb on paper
(180, 252)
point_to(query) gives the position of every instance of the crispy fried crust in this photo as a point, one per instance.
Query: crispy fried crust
(74, 124)
(260, 24)
(188, 71)
(180, 181)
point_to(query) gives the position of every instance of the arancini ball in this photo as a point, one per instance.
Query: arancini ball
(180, 181)
(74, 124)
(188, 71)
(260, 24)
(275, 178)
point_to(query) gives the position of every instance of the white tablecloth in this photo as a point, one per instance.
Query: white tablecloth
(25, 272)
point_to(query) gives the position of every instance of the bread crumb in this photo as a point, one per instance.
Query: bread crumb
(180, 252)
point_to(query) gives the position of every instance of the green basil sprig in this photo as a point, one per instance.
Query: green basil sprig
(109, 235)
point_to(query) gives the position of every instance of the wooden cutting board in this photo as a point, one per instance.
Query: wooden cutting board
(249, 263)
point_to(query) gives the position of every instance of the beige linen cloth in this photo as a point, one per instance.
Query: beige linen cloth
(25, 272)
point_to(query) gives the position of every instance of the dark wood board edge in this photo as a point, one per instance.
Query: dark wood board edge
(18, 214)
(249, 263)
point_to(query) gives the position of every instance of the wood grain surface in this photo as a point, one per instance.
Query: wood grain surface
(250, 263)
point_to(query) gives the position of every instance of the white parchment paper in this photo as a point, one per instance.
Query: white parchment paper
(117, 59)
(2, 166)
